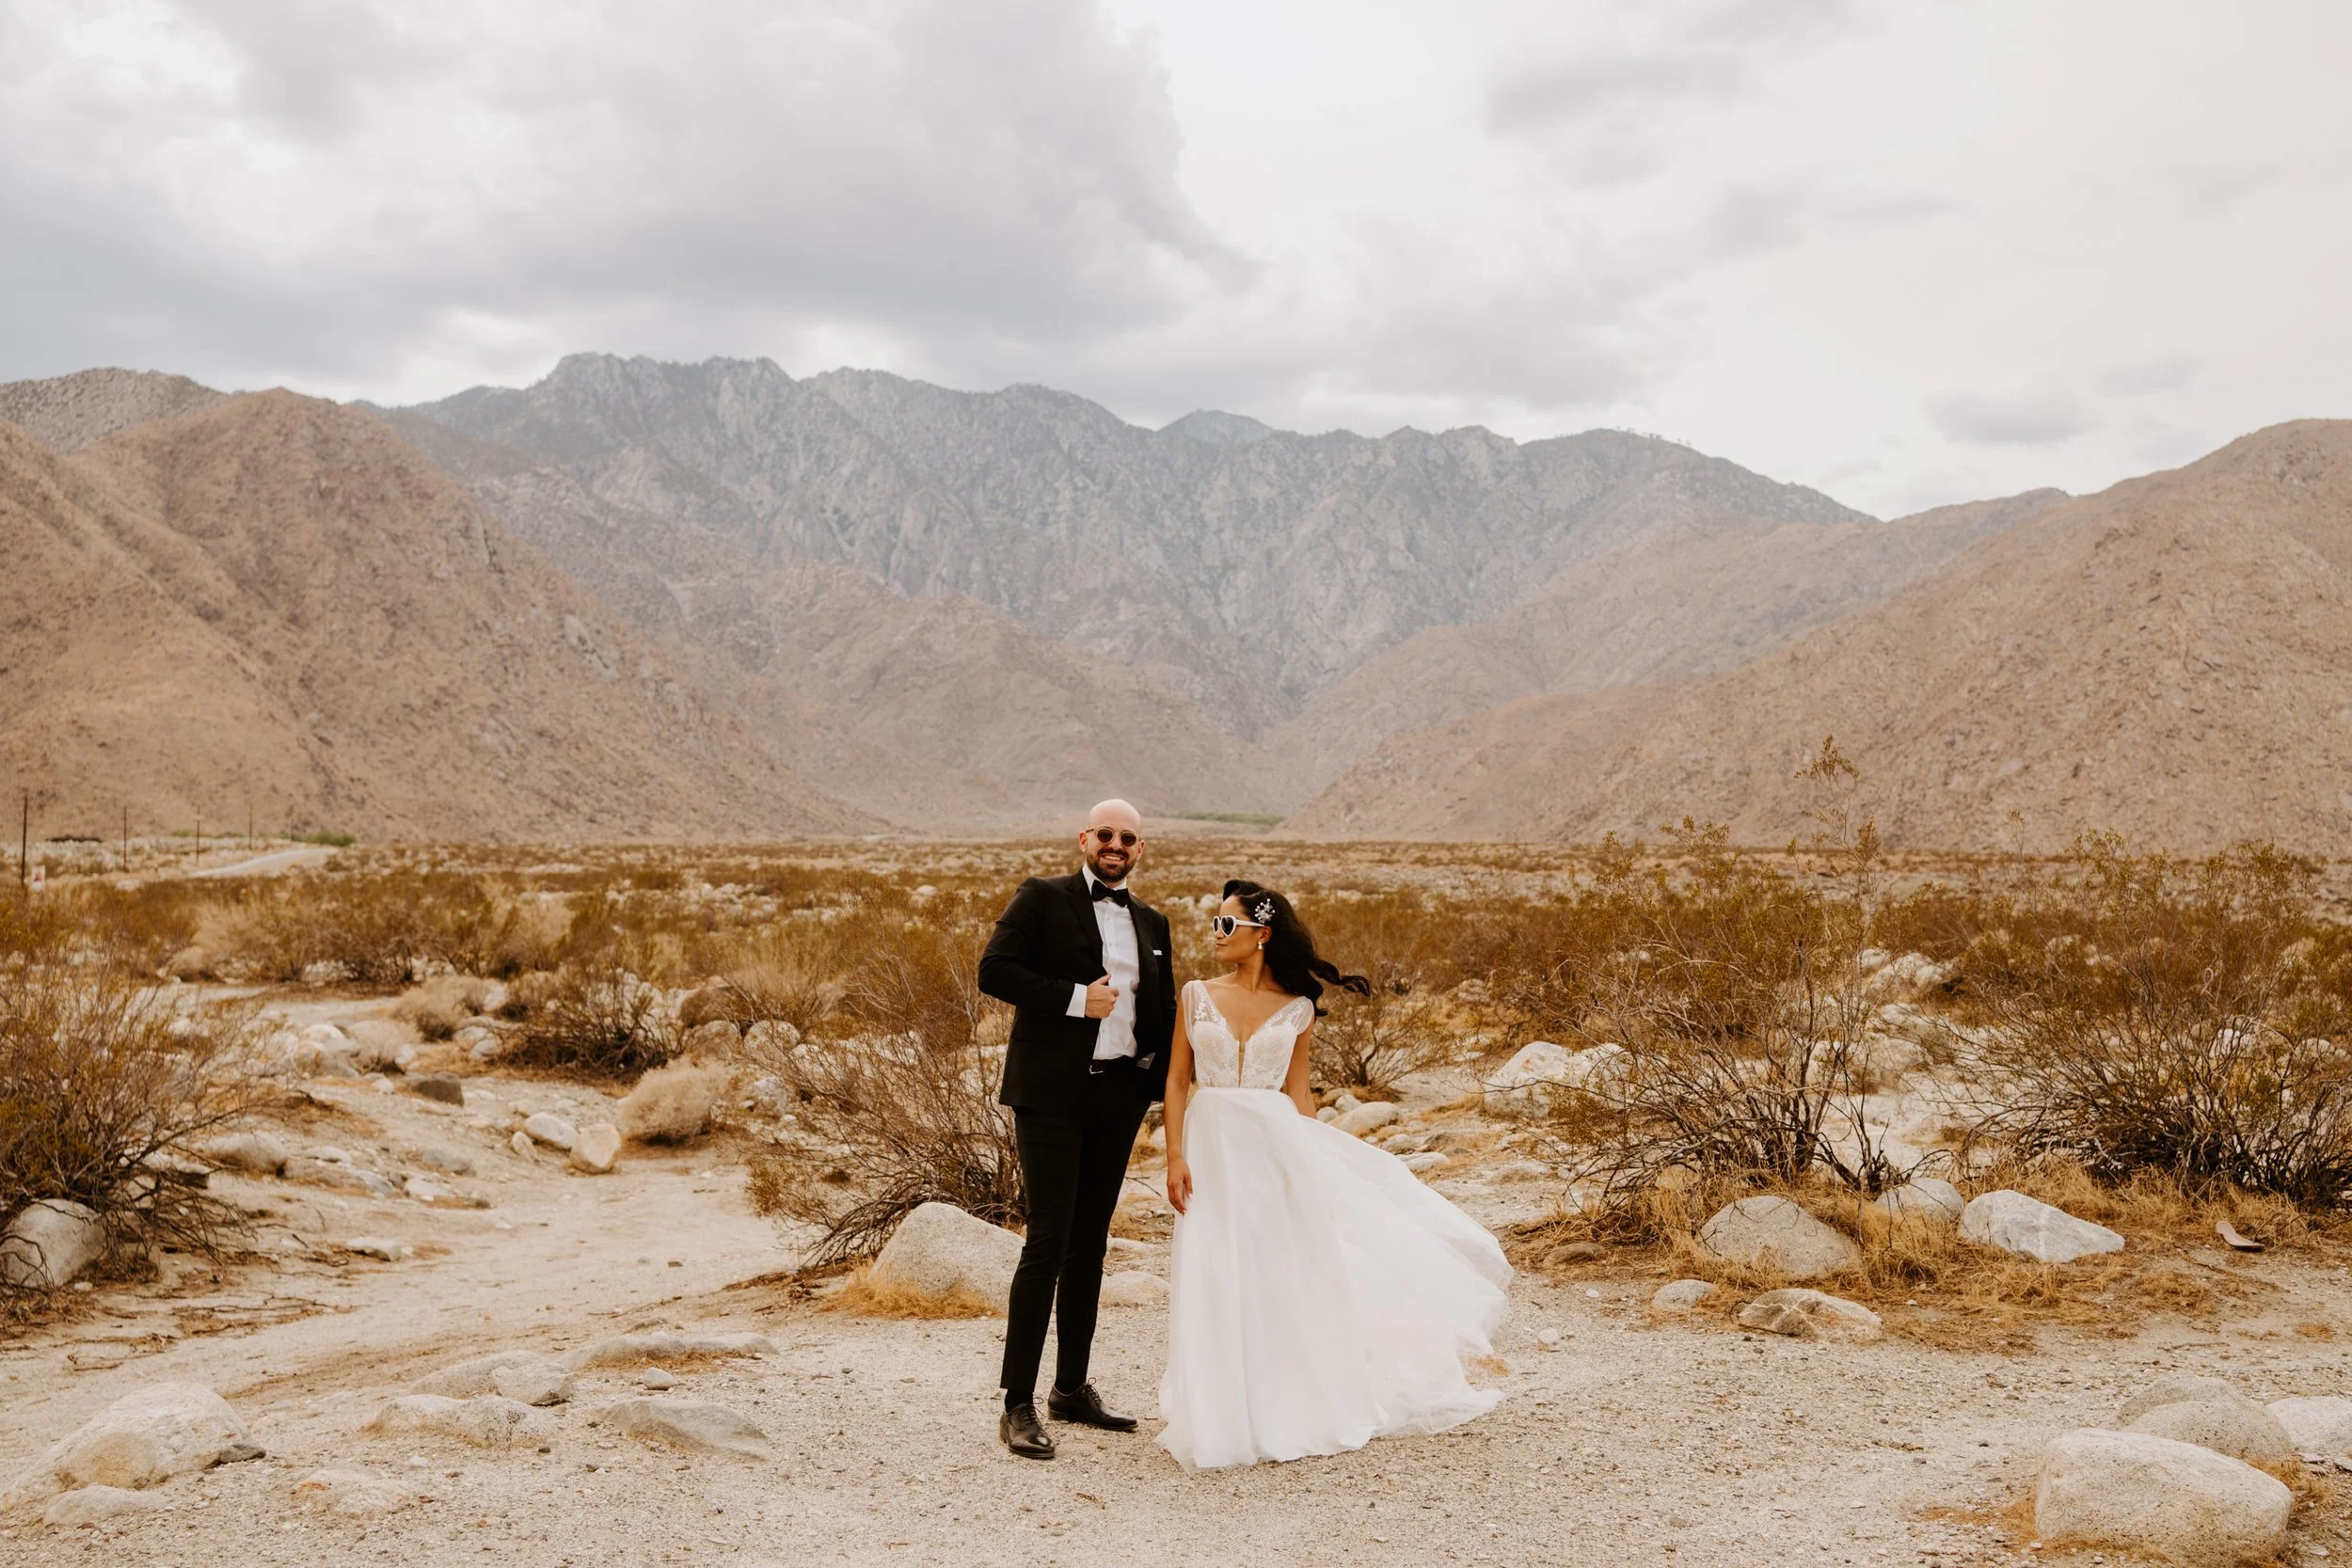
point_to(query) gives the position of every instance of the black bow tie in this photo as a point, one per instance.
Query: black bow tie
(1116, 895)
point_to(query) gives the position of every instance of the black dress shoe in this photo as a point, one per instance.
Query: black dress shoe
(1085, 1406)
(1024, 1433)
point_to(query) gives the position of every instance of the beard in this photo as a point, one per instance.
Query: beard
(1115, 873)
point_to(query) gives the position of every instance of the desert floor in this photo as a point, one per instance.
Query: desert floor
(1633, 1441)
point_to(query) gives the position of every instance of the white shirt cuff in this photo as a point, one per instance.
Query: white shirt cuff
(1077, 1002)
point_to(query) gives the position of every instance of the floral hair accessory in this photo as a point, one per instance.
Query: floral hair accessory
(1264, 913)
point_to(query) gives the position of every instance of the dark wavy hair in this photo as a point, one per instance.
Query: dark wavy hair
(1290, 947)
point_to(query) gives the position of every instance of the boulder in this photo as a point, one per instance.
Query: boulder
(488, 1422)
(255, 1153)
(524, 1376)
(334, 1173)
(627, 1349)
(2174, 1388)
(696, 1426)
(2175, 1500)
(447, 1162)
(1536, 1080)
(1777, 1233)
(547, 1128)
(2031, 1228)
(1426, 1160)
(1681, 1296)
(1369, 1117)
(939, 1249)
(1133, 1288)
(717, 1037)
(522, 1146)
(442, 1087)
(383, 1248)
(2236, 1426)
(352, 1494)
(148, 1436)
(1803, 1314)
(769, 1036)
(49, 1243)
(598, 1146)
(96, 1505)
(2321, 1426)
(1924, 1197)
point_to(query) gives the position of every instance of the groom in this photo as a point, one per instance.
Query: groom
(1086, 967)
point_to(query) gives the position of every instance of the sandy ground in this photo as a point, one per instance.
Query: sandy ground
(1632, 1442)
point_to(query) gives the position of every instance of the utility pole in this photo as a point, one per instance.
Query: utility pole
(126, 840)
(24, 846)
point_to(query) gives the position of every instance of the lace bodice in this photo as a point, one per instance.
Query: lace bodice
(1262, 1062)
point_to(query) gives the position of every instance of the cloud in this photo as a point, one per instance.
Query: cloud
(2030, 418)
(322, 188)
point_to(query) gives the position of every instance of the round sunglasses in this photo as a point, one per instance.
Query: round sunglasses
(1105, 835)
(1226, 924)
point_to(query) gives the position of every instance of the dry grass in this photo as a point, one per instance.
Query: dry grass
(673, 1103)
(860, 1297)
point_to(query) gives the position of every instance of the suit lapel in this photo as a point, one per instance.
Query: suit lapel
(1090, 932)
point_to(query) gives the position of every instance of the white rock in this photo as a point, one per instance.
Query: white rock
(665, 1345)
(552, 1130)
(2174, 1388)
(377, 1246)
(425, 1190)
(2236, 1426)
(1424, 1162)
(1924, 1197)
(1369, 1117)
(520, 1143)
(2187, 1504)
(1344, 1102)
(95, 1505)
(657, 1380)
(49, 1243)
(598, 1146)
(1681, 1296)
(1542, 1075)
(770, 1035)
(1329, 1113)
(939, 1249)
(352, 1494)
(146, 1437)
(488, 1421)
(1776, 1232)
(258, 1153)
(1803, 1314)
(694, 1425)
(1523, 1170)
(2321, 1425)
(2031, 1228)
(524, 1376)
(1133, 1288)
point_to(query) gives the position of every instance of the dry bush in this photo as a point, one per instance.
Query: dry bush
(438, 1006)
(673, 1103)
(101, 1083)
(1368, 1042)
(860, 1296)
(790, 973)
(904, 1113)
(600, 1022)
(2192, 1021)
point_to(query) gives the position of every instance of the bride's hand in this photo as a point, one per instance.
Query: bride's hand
(1179, 1184)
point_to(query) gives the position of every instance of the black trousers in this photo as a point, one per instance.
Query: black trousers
(1073, 1167)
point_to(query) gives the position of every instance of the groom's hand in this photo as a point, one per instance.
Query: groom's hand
(1102, 997)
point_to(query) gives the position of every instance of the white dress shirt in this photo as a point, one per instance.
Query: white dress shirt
(1123, 962)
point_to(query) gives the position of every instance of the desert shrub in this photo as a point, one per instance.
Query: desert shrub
(438, 1006)
(1734, 995)
(587, 1018)
(792, 972)
(2190, 1019)
(100, 1082)
(904, 1112)
(375, 929)
(1370, 1041)
(673, 1103)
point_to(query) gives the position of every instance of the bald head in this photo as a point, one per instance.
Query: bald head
(1112, 840)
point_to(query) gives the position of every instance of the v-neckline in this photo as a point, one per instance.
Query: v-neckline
(1230, 1032)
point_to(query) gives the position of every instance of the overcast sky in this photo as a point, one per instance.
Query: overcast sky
(1911, 253)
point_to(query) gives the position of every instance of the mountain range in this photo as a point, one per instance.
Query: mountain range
(643, 599)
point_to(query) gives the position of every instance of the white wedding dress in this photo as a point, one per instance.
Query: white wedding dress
(1320, 1296)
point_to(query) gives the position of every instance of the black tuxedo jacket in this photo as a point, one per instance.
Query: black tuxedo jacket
(1045, 943)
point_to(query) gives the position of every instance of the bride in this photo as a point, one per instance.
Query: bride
(1320, 1296)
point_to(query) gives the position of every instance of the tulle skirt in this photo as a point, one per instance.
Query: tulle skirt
(1319, 1296)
